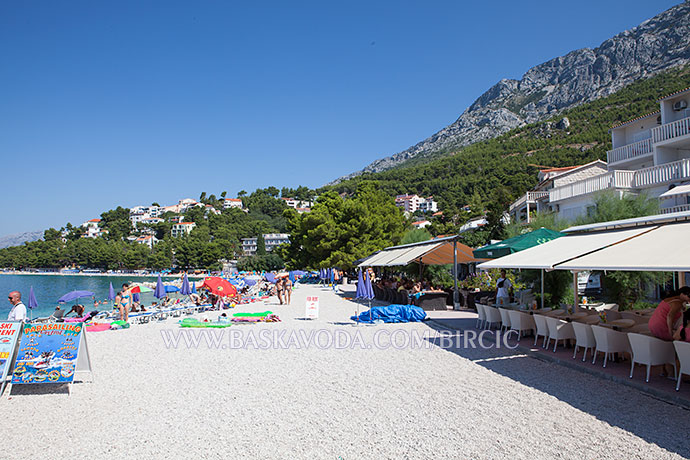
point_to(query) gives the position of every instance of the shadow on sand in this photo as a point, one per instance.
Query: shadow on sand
(602, 399)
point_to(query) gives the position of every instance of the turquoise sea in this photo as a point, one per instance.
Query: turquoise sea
(49, 288)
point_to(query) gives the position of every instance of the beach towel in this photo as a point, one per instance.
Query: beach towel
(392, 314)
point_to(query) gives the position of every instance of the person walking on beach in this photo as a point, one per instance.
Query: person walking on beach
(18, 312)
(287, 290)
(279, 291)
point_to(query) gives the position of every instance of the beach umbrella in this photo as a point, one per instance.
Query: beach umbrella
(171, 289)
(111, 293)
(219, 286)
(159, 292)
(33, 303)
(359, 293)
(185, 290)
(368, 291)
(73, 295)
(249, 282)
(292, 277)
(193, 287)
(270, 277)
(135, 297)
(138, 288)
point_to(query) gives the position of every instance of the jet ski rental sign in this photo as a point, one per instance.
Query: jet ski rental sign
(9, 331)
(47, 353)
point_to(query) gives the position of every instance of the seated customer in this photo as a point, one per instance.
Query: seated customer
(669, 311)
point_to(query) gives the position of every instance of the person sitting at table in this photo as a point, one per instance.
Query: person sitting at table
(683, 331)
(669, 311)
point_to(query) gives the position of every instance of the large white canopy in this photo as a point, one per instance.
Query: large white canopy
(552, 253)
(663, 248)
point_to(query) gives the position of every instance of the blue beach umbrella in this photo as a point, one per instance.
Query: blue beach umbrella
(172, 289)
(359, 293)
(135, 297)
(33, 303)
(73, 295)
(291, 276)
(159, 292)
(185, 290)
(193, 291)
(369, 293)
(111, 293)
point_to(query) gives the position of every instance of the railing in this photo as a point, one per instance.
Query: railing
(671, 130)
(680, 208)
(667, 172)
(629, 151)
(529, 197)
(613, 179)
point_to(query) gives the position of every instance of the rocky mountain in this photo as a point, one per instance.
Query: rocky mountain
(561, 83)
(19, 238)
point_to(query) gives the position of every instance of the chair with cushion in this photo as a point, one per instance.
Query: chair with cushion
(505, 319)
(584, 337)
(558, 330)
(542, 329)
(521, 322)
(608, 342)
(651, 351)
(683, 352)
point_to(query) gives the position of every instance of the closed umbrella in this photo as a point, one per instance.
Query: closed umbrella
(111, 293)
(185, 290)
(135, 297)
(33, 303)
(193, 287)
(159, 292)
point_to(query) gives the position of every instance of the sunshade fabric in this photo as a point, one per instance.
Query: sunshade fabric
(440, 253)
(560, 250)
(679, 190)
(517, 243)
(665, 248)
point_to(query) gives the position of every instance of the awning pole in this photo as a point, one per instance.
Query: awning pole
(577, 303)
(542, 288)
(456, 299)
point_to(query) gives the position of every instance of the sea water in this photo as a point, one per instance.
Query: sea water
(49, 288)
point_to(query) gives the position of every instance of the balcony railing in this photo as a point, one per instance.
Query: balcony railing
(629, 151)
(529, 197)
(680, 208)
(671, 130)
(610, 180)
(667, 172)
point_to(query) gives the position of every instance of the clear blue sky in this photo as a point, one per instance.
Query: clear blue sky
(129, 102)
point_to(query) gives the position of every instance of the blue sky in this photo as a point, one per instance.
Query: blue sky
(131, 102)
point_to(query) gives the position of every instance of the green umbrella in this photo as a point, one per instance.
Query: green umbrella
(516, 244)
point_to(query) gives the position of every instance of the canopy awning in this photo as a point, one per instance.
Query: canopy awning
(563, 249)
(433, 252)
(517, 243)
(679, 190)
(664, 248)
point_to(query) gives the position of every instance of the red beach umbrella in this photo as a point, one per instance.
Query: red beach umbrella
(219, 286)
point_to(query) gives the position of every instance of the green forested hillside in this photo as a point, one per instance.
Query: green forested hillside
(474, 174)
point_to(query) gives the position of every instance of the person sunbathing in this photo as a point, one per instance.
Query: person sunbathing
(77, 309)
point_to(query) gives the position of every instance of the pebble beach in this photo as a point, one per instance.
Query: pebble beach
(266, 391)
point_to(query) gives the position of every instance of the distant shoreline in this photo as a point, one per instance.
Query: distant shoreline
(96, 274)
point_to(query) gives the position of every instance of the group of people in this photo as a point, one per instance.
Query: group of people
(284, 290)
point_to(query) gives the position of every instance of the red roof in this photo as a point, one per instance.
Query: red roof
(439, 213)
(232, 199)
(674, 94)
(95, 220)
(186, 223)
(564, 168)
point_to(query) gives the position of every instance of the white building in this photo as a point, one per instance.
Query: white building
(182, 228)
(650, 154)
(297, 204)
(232, 203)
(421, 224)
(92, 228)
(271, 240)
(412, 203)
(148, 240)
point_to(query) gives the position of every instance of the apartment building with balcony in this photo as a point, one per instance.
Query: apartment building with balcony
(412, 203)
(650, 154)
(182, 228)
(271, 241)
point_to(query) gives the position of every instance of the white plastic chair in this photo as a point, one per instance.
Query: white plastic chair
(584, 337)
(651, 351)
(481, 315)
(521, 322)
(542, 329)
(558, 330)
(492, 316)
(505, 318)
(608, 342)
(683, 352)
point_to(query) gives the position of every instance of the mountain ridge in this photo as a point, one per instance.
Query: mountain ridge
(545, 90)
